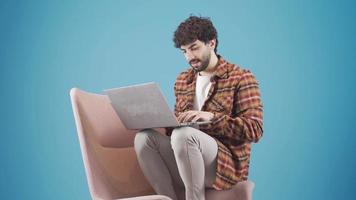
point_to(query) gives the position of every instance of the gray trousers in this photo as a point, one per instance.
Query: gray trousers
(182, 163)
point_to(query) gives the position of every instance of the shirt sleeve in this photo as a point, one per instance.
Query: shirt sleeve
(246, 122)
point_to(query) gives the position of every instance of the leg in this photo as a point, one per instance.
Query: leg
(157, 162)
(195, 153)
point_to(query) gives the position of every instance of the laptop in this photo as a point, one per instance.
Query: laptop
(144, 106)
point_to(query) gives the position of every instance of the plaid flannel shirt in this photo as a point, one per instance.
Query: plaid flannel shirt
(234, 99)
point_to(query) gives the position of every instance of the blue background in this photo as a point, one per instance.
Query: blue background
(302, 52)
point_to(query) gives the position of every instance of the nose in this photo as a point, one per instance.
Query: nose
(188, 55)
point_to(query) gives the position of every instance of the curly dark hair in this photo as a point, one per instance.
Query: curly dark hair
(195, 28)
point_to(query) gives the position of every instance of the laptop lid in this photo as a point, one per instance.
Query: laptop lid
(142, 106)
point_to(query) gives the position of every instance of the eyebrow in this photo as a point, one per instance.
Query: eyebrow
(191, 46)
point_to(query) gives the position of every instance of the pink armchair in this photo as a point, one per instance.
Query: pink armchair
(109, 159)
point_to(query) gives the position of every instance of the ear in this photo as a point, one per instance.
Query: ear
(212, 43)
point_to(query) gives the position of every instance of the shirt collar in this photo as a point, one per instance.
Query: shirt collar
(220, 72)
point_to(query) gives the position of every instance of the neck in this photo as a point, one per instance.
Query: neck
(212, 65)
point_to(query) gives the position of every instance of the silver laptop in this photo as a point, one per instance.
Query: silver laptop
(144, 106)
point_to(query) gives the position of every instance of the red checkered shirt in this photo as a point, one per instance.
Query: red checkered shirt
(235, 101)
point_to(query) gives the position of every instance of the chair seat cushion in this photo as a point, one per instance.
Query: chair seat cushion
(149, 197)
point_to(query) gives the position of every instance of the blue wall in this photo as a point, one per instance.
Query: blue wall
(302, 52)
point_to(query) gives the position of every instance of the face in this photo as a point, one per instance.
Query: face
(198, 54)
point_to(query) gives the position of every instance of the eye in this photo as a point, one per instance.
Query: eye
(195, 48)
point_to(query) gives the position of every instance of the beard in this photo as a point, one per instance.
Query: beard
(204, 62)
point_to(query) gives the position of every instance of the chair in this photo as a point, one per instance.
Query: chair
(110, 162)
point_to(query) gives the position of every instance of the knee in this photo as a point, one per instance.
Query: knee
(143, 138)
(181, 136)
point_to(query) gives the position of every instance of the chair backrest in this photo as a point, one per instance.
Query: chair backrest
(107, 148)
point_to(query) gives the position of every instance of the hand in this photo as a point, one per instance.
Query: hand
(194, 115)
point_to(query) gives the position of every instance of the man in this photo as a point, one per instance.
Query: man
(215, 155)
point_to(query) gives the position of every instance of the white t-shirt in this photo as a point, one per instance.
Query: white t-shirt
(202, 88)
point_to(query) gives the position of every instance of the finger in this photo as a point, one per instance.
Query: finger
(191, 115)
(196, 118)
(186, 117)
(182, 116)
